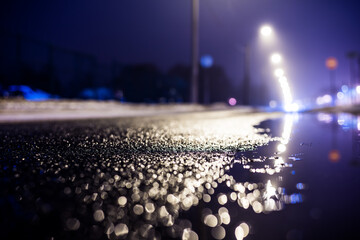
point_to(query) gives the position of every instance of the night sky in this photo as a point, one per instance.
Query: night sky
(158, 32)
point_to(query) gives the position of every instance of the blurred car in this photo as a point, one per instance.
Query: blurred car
(101, 93)
(28, 93)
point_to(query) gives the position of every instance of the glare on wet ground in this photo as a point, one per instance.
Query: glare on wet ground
(135, 178)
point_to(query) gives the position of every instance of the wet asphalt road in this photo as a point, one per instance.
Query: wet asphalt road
(218, 175)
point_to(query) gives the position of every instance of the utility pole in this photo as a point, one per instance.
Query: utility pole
(195, 51)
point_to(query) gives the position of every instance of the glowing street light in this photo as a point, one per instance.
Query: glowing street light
(266, 30)
(275, 58)
(279, 72)
(266, 33)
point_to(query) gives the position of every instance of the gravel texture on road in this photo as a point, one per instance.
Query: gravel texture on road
(118, 178)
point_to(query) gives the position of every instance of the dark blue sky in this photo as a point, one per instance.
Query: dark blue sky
(158, 31)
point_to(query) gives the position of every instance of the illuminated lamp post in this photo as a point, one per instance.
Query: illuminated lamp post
(265, 32)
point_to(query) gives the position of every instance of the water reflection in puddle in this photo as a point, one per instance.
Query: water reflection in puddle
(314, 199)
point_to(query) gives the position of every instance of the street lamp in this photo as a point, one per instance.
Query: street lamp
(266, 30)
(279, 72)
(275, 58)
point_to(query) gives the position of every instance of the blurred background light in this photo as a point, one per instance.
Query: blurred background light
(340, 95)
(206, 61)
(273, 104)
(232, 101)
(358, 89)
(344, 88)
(326, 99)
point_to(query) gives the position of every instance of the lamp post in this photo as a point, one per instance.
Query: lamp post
(195, 52)
(265, 32)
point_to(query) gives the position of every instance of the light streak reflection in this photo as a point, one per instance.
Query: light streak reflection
(286, 134)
